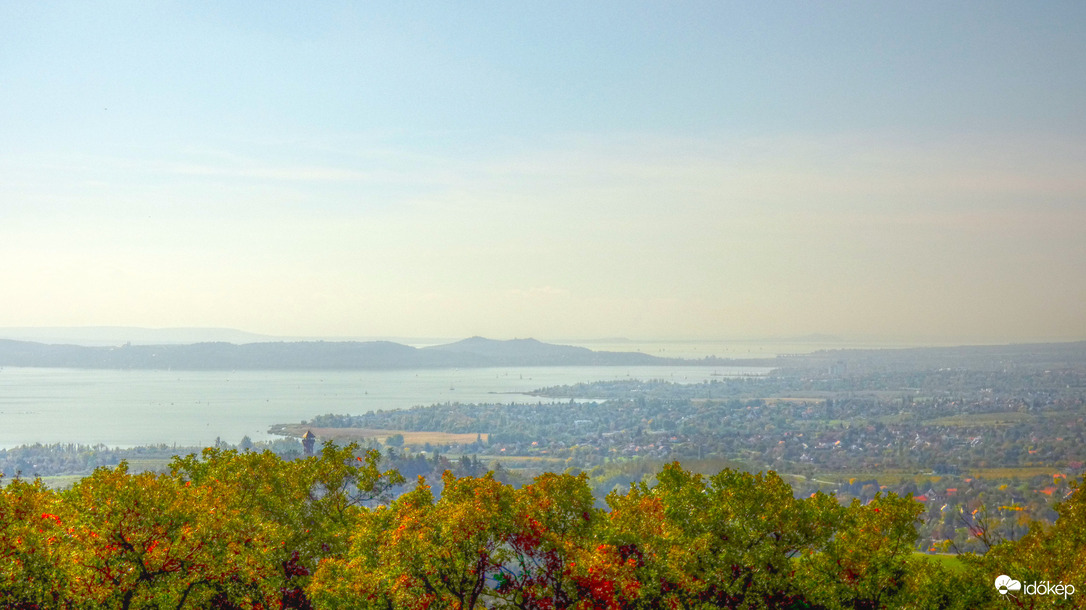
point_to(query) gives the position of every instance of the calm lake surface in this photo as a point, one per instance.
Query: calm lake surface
(127, 408)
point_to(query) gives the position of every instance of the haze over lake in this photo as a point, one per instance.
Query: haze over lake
(127, 408)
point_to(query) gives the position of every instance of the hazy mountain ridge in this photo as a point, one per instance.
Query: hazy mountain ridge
(477, 352)
(972, 357)
(531, 352)
(301, 355)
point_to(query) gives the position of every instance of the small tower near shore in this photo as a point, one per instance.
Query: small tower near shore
(308, 440)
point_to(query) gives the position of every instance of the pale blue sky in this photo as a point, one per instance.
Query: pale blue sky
(651, 170)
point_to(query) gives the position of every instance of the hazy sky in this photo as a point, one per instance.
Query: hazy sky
(556, 170)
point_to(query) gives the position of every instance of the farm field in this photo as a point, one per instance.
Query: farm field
(411, 438)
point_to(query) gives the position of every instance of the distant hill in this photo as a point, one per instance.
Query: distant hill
(316, 355)
(530, 352)
(1009, 357)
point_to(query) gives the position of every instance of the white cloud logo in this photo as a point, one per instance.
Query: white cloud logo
(1005, 583)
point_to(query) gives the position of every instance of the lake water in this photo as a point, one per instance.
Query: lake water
(127, 408)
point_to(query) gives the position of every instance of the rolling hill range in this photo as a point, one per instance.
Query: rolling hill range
(301, 355)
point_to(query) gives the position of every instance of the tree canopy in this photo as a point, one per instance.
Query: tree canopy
(229, 529)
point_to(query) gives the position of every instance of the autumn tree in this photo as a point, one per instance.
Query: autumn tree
(1055, 553)
(153, 540)
(418, 552)
(725, 541)
(33, 553)
(868, 561)
(553, 544)
(310, 506)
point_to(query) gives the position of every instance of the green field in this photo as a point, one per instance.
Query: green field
(951, 562)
